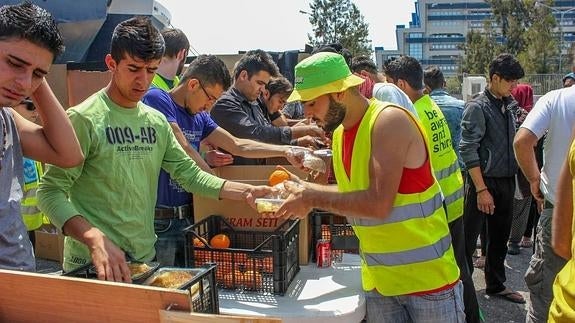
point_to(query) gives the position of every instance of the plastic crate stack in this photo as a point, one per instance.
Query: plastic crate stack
(258, 261)
(333, 227)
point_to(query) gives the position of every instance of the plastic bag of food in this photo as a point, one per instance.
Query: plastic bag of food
(309, 160)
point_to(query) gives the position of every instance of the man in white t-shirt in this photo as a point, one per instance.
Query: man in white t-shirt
(389, 92)
(553, 116)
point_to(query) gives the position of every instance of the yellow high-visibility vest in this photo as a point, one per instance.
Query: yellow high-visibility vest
(443, 158)
(158, 82)
(410, 250)
(32, 216)
(562, 308)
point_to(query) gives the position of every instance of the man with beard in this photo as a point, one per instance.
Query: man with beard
(407, 74)
(172, 64)
(386, 187)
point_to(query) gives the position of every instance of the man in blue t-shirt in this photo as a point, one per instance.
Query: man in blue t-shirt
(186, 109)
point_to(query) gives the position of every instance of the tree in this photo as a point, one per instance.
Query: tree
(512, 17)
(516, 27)
(542, 47)
(480, 48)
(339, 21)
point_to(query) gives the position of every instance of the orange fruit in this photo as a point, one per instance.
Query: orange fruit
(278, 176)
(199, 242)
(220, 241)
(252, 279)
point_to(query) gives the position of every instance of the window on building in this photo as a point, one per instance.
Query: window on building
(416, 51)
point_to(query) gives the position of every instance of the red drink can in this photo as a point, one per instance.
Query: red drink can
(323, 253)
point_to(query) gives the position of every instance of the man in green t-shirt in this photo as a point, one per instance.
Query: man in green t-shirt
(105, 206)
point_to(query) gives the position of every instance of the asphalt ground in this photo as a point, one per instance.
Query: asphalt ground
(498, 310)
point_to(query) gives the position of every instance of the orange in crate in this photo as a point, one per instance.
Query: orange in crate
(199, 242)
(220, 241)
(278, 176)
(252, 279)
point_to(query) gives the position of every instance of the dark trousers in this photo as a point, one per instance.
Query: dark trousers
(456, 228)
(498, 227)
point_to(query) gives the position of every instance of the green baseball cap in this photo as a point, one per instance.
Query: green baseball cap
(320, 74)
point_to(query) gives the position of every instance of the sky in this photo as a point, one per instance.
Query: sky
(229, 26)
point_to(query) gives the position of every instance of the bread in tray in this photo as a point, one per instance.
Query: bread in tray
(171, 279)
(138, 268)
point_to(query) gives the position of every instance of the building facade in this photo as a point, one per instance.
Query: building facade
(438, 29)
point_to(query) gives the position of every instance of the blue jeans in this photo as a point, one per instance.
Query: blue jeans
(444, 306)
(171, 241)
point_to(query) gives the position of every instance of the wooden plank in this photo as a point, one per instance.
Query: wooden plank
(181, 317)
(30, 297)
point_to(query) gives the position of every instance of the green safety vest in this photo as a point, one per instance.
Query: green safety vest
(410, 250)
(443, 157)
(32, 216)
(160, 83)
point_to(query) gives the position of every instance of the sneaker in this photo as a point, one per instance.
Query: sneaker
(513, 248)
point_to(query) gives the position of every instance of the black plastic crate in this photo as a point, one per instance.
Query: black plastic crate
(202, 289)
(260, 261)
(334, 228)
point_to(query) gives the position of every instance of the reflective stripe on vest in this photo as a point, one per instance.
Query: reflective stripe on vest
(443, 157)
(405, 212)
(444, 173)
(31, 215)
(426, 253)
(409, 250)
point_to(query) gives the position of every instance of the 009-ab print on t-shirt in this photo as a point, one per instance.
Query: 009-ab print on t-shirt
(135, 142)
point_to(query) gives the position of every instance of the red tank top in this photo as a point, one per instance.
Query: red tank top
(413, 180)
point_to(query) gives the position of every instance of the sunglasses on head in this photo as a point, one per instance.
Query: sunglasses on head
(29, 104)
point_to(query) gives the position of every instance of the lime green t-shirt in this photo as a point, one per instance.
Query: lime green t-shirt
(115, 187)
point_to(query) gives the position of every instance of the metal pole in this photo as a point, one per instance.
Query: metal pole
(561, 43)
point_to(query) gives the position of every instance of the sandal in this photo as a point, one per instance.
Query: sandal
(510, 295)
(526, 243)
(479, 263)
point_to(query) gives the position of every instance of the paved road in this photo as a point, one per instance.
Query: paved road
(495, 310)
(498, 310)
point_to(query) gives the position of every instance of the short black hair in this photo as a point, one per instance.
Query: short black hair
(507, 67)
(334, 48)
(210, 70)
(363, 62)
(175, 40)
(433, 78)
(279, 85)
(255, 61)
(405, 68)
(29, 22)
(138, 38)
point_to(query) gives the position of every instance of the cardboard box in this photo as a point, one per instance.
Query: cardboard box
(240, 214)
(49, 244)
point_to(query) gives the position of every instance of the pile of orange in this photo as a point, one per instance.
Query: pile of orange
(250, 279)
(220, 241)
(199, 242)
(278, 176)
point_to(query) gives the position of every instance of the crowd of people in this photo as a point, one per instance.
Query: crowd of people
(420, 175)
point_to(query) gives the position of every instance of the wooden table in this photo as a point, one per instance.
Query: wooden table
(316, 295)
